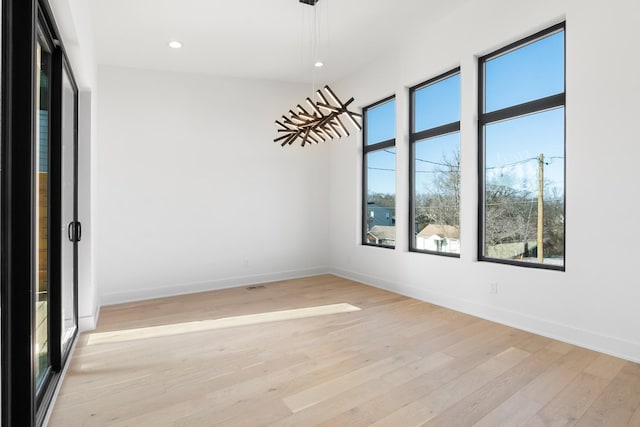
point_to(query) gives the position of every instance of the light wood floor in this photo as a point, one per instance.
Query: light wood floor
(332, 352)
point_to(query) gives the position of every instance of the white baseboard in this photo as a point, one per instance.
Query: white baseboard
(213, 285)
(89, 323)
(582, 338)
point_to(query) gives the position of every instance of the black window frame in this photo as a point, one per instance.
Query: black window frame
(538, 105)
(366, 149)
(415, 137)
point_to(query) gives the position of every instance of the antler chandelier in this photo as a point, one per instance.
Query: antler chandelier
(321, 123)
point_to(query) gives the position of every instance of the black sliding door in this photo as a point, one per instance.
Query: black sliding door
(39, 225)
(43, 217)
(70, 231)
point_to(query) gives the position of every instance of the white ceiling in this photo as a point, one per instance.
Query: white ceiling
(264, 39)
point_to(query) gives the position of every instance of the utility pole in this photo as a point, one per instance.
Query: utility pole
(540, 206)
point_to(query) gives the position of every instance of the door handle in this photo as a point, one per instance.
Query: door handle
(74, 231)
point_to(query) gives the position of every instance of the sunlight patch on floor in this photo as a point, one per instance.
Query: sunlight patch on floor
(225, 322)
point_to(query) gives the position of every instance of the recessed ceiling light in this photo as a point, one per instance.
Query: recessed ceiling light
(318, 64)
(175, 44)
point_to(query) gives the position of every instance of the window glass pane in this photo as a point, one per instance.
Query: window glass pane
(519, 152)
(67, 196)
(41, 350)
(381, 122)
(381, 197)
(437, 194)
(533, 71)
(437, 104)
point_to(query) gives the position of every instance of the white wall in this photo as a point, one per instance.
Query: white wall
(192, 192)
(187, 192)
(595, 302)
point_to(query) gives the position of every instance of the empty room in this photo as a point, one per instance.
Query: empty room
(319, 212)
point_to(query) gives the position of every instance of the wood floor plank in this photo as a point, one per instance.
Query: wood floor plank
(334, 404)
(570, 404)
(280, 354)
(326, 412)
(635, 419)
(315, 394)
(424, 409)
(618, 402)
(422, 385)
(531, 398)
(474, 406)
(367, 413)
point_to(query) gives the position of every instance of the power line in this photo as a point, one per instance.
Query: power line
(453, 168)
(425, 161)
(512, 164)
(519, 162)
(436, 163)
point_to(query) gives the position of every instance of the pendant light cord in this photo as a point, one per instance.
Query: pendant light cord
(314, 49)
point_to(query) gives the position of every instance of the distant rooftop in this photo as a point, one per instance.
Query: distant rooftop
(441, 230)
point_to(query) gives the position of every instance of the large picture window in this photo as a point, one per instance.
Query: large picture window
(522, 159)
(379, 174)
(435, 165)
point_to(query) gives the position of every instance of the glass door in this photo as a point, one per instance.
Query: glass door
(70, 228)
(39, 230)
(42, 196)
(57, 230)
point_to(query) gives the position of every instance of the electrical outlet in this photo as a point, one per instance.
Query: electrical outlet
(493, 287)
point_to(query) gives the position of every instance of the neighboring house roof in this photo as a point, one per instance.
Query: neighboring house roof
(441, 230)
(383, 232)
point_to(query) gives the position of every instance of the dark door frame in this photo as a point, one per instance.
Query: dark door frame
(18, 139)
(20, 20)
